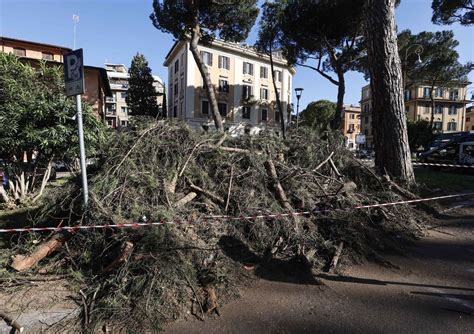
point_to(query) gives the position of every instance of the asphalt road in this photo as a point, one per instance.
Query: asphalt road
(431, 291)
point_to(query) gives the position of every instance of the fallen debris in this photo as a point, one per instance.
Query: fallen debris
(11, 322)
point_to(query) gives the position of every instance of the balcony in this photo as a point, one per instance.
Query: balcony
(111, 111)
(110, 99)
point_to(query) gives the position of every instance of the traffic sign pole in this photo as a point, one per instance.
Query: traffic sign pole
(82, 151)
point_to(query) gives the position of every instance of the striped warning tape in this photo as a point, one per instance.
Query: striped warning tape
(210, 219)
(441, 165)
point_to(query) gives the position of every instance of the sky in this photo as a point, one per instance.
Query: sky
(114, 31)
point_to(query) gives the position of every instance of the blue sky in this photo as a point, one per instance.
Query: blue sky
(114, 30)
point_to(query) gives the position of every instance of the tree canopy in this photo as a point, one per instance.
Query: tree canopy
(326, 33)
(318, 114)
(141, 95)
(37, 119)
(451, 11)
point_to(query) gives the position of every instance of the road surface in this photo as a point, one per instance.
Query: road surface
(432, 291)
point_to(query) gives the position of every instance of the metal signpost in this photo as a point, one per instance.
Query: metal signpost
(74, 79)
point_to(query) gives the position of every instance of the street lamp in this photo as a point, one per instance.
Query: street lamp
(298, 92)
(418, 52)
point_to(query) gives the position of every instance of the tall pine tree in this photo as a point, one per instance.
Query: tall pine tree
(141, 97)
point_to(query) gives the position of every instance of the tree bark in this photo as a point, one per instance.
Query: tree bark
(195, 35)
(392, 151)
(282, 117)
(341, 90)
(3, 193)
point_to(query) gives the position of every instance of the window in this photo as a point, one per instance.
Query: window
(224, 62)
(366, 119)
(468, 119)
(352, 116)
(351, 128)
(264, 72)
(454, 94)
(123, 123)
(124, 110)
(123, 95)
(439, 92)
(222, 109)
(277, 75)
(426, 92)
(407, 95)
(206, 58)
(248, 68)
(366, 108)
(438, 110)
(20, 52)
(176, 66)
(264, 93)
(205, 107)
(264, 115)
(277, 116)
(175, 111)
(438, 125)
(223, 85)
(182, 60)
(452, 110)
(246, 91)
(246, 112)
(452, 126)
(47, 56)
(427, 108)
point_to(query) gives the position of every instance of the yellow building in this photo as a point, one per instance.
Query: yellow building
(449, 112)
(96, 82)
(351, 125)
(243, 83)
(116, 110)
(470, 119)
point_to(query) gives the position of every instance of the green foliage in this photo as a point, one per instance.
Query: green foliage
(141, 97)
(36, 115)
(439, 59)
(420, 135)
(450, 11)
(318, 114)
(231, 20)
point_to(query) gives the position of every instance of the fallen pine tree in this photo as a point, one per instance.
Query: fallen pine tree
(139, 278)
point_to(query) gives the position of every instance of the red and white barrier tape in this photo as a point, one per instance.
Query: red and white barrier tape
(440, 165)
(210, 219)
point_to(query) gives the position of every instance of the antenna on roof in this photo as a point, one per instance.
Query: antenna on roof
(75, 19)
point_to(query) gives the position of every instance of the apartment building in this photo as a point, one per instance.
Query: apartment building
(116, 109)
(242, 81)
(96, 81)
(351, 125)
(449, 112)
(469, 119)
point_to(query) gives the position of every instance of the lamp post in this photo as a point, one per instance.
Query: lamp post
(418, 52)
(463, 119)
(298, 92)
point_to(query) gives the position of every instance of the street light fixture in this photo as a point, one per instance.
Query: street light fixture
(418, 51)
(298, 92)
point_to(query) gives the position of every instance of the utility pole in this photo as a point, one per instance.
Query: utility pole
(75, 19)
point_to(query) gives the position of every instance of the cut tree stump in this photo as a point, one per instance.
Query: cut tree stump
(185, 200)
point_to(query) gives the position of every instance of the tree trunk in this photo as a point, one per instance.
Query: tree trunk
(164, 107)
(46, 176)
(206, 79)
(341, 90)
(3, 194)
(392, 151)
(282, 117)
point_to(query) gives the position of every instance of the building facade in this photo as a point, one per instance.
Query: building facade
(469, 118)
(116, 110)
(351, 125)
(242, 81)
(96, 82)
(449, 111)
